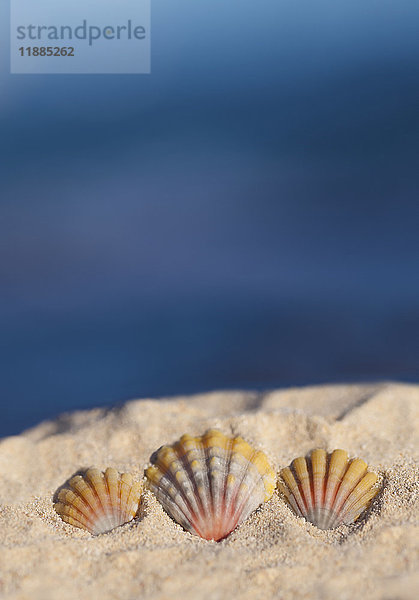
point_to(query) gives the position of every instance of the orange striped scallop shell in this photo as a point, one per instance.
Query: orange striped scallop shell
(212, 483)
(328, 490)
(99, 502)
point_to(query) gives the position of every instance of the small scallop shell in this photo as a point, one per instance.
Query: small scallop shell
(328, 490)
(99, 501)
(210, 484)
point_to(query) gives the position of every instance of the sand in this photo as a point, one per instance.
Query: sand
(274, 554)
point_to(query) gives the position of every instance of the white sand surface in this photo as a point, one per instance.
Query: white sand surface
(274, 554)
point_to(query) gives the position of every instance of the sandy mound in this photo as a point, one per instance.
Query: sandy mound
(273, 554)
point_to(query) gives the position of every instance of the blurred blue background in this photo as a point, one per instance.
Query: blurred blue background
(244, 217)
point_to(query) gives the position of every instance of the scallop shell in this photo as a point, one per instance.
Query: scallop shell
(328, 490)
(210, 484)
(99, 501)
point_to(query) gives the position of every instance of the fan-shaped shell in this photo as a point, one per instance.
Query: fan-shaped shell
(328, 490)
(210, 484)
(99, 501)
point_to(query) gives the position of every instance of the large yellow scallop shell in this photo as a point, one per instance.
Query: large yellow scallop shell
(328, 489)
(99, 501)
(210, 484)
